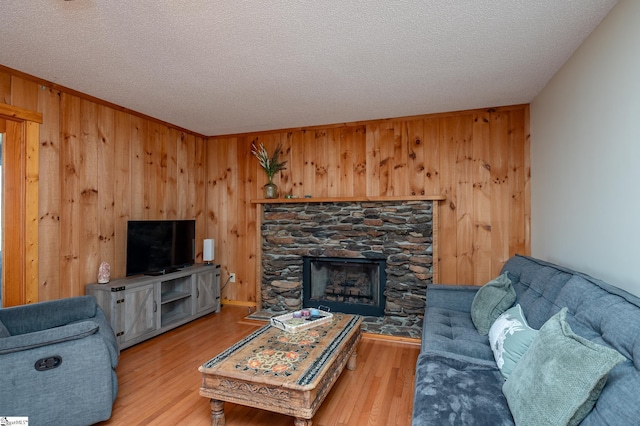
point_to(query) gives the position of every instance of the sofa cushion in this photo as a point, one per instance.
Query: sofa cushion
(453, 392)
(454, 297)
(453, 332)
(491, 301)
(560, 377)
(510, 336)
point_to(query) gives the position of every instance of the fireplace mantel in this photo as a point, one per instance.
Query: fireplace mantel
(348, 199)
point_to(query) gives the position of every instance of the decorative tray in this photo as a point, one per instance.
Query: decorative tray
(297, 321)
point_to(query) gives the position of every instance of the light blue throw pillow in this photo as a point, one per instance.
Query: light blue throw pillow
(559, 379)
(510, 336)
(490, 301)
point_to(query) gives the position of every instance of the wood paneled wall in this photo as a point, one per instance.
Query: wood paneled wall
(478, 159)
(101, 165)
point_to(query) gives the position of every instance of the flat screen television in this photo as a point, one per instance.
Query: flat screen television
(156, 247)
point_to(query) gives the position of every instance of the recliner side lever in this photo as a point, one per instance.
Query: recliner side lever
(50, 363)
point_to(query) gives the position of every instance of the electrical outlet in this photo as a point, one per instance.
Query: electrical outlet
(232, 277)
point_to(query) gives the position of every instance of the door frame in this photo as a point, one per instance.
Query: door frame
(20, 205)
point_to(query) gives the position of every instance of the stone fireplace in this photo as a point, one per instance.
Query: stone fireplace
(398, 233)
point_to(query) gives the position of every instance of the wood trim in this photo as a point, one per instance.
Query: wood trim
(238, 303)
(369, 122)
(348, 199)
(527, 182)
(31, 222)
(259, 269)
(13, 289)
(20, 206)
(398, 340)
(15, 113)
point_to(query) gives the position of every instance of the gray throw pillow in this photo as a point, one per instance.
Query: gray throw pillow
(491, 300)
(560, 377)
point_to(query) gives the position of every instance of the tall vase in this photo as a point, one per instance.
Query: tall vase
(270, 190)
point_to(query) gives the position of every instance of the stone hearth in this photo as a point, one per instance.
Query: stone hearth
(398, 231)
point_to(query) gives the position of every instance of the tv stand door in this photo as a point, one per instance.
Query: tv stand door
(136, 317)
(208, 290)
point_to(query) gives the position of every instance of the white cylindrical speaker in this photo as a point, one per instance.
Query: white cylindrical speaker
(207, 250)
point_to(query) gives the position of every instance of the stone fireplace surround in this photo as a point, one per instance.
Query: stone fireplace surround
(400, 231)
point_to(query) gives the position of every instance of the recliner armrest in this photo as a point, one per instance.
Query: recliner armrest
(23, 342)
(448, 296)
(108, 335)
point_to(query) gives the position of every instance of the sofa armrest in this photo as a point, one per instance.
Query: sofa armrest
(447, 296)
(52, 336)
(25, 319)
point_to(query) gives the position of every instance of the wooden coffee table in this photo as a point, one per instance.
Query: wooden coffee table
(288, 373)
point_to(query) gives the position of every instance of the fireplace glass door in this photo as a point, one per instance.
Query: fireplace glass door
(348, 285)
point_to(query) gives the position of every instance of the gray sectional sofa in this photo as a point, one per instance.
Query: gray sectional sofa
(457, 378)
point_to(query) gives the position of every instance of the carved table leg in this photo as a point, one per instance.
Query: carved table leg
(302, 422)
(351, 364)
(217, 413)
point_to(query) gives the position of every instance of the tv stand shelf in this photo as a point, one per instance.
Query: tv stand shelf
(174, 318)
(143, 306)
(173, 296)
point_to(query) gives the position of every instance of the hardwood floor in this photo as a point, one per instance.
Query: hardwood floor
(159, 380)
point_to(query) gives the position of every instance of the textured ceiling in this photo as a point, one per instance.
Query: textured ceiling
(222, 67)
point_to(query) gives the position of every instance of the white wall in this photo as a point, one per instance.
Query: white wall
(585, 156)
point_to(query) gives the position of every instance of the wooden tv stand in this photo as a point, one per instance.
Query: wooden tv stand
(143, 306)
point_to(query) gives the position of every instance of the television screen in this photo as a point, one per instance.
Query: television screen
(159, 246)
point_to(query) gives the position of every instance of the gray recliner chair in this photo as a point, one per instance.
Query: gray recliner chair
(57, 362)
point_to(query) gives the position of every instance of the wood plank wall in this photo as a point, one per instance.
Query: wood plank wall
(478, 159)
(101, 165)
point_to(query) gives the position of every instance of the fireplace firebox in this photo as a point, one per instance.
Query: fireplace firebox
(348, 285)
